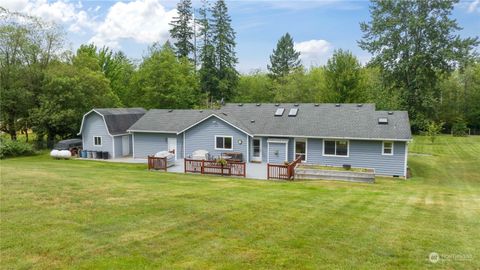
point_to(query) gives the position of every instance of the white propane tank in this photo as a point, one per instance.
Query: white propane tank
(54, 153)
(65, 154)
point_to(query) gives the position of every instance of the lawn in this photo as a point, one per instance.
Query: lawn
(86, 214)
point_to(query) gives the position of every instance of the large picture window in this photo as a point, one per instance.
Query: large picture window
(335, 148)
(223, 143)
(97, 141)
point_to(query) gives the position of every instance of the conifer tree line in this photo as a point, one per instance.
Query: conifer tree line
(432, 72)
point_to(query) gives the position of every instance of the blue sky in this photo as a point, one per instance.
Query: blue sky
(318, 27)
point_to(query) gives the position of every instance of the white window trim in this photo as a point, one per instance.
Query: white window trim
(260, 149)
(295, 148)
(383, 148)
(101, 141)
(328, 155)
(223, 136)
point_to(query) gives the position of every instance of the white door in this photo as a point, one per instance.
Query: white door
(257, 150)
(172, 146)
(125, 145)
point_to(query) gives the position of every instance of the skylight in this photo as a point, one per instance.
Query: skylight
(293, 112)
(279, 111)
(383, 121)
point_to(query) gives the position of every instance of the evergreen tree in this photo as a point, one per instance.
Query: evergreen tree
(284, 59)
(182, 29)
(343, 76)
(223, 38)
(208, 71)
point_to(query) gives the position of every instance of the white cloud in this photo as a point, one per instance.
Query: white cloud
(144, 21)
(61, 12)
(314, 52)
(474, 6)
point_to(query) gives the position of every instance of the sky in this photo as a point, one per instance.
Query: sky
(317, 27)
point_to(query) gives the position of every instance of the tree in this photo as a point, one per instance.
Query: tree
(414, 43)
(116, 67)
(208, 70)
(164, 81)
(343, 77)
(223, 37)
(182, 29)
(68, 92)
(284, 59)
(27, 46)
(254, 87)
(433, 129)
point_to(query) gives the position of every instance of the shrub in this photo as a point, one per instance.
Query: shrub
(460, 128)
(9, 148)
(433, 129)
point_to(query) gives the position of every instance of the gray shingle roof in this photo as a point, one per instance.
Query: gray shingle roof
(120, 119)
(322, 120)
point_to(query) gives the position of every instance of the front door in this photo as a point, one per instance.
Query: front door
(172, 146)
(257, 150)
(125, 145)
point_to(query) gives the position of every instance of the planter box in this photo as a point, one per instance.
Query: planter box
(306, 172)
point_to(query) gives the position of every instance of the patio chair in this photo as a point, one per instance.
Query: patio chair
(200, 155)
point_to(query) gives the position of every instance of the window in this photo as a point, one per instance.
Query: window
(279, 111)
(335, 148)
(223, 143)
(300, 149)
(387, 148)
(97, 141)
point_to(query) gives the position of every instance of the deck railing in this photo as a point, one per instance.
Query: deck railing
(282, 171)
(157, 163)
(214, 167)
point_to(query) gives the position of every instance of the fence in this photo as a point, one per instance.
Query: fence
(157, 163)
(282, 171)
(213, 167)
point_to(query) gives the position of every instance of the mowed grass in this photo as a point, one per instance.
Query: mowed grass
(85, 214)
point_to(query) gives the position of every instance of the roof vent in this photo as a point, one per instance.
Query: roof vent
(224, 114)
(170, 110)
(296, 104)
(383, 121)
(240, 105)
(390, 113)
(316, 105)
(252, 121)
(337, 105)
(359, 105)
(276, 104)
(258, 104)
(293, 112)
(279, 111)
(200, 111)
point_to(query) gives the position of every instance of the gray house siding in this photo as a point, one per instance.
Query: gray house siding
(291, 149)
(118, 146)
(276, 153)
(202, 137)
(95, 126)
(365, 154)
(146, 144)
(180, 146)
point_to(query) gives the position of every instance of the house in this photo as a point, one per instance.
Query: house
(106, 130)
(328, 134)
